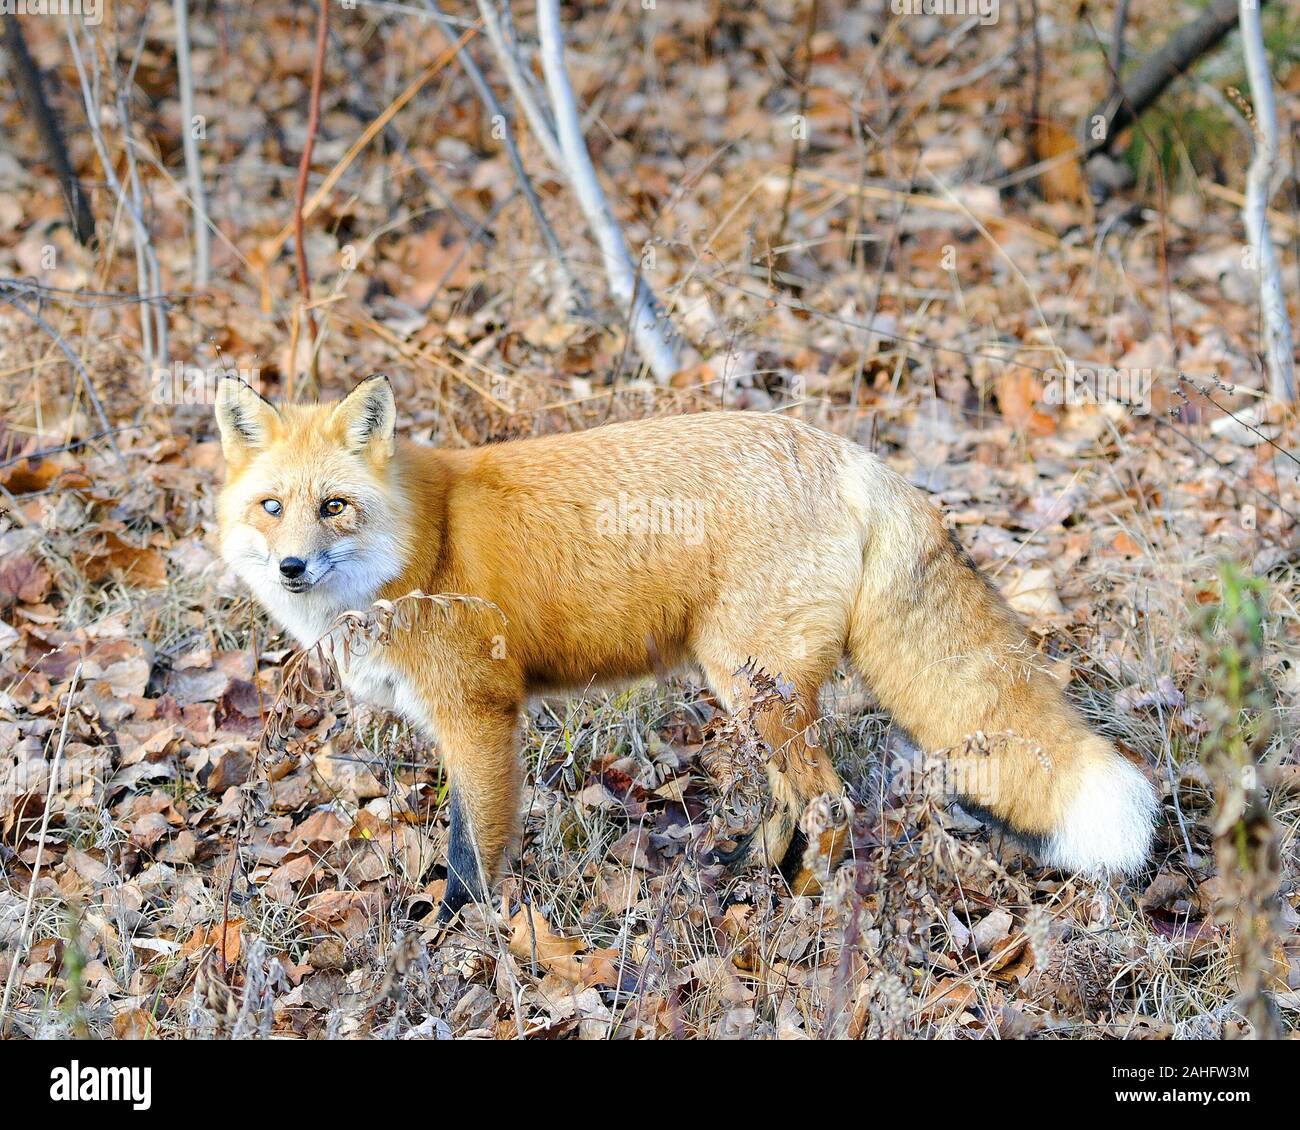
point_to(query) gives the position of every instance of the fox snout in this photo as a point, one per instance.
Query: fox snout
(294, 574)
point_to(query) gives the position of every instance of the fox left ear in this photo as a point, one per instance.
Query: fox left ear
(366, 420)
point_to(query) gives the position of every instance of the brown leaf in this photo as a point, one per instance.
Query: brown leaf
(989, 930)
(212, 936)
(232, 768)
(135, 1024)
(149, 829)
(23, 580)
(531, 939)
(132, 565)
(949, 996)
(1018, 396)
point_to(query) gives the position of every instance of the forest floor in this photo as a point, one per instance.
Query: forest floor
(909, 285)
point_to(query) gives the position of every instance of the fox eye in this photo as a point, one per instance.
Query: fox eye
(332, 507)
(272, 506)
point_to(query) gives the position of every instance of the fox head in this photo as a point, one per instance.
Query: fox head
(307, 515)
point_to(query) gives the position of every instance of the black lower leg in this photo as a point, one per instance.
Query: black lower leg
(737, 854)
(462, 864)
(792, 861)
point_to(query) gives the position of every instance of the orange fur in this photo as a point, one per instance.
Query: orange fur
(708, 539)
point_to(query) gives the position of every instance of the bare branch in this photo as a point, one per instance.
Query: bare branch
(521, 86)
(153, 316)
(489, 99)
(6, 295)
(1149, 81)
(655, 338)
(1259, 179)
(31, 89)
(193, 165)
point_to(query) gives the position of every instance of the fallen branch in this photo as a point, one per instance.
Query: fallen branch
(1183, 48)
(31, 90)
(655, 338)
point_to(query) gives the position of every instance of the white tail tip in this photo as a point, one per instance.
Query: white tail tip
(1108, 823)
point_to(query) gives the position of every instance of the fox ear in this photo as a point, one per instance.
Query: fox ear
(366, 420)
(246, 419)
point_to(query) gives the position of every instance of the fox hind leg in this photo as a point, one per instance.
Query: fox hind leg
(799, 771)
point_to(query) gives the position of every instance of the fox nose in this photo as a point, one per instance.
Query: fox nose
(292, 567)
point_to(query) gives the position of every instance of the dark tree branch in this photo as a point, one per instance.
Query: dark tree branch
(31, 89)
(1183, 48)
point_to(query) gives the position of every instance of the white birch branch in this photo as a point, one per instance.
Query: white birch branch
(495, 110)
(655, 339)
(1259, 179)
(193, 166)
(520, 85)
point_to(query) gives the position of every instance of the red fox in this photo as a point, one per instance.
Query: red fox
(720, 540)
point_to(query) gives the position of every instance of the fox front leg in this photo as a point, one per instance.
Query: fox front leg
(464, 875)
(479, 749)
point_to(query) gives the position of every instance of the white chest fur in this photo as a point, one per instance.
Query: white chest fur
(369, 676)
(374, 680)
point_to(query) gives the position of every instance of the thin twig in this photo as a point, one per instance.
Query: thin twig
(495, 111)
(137, 191)
(75, 445)
(366, 109)
(304, 166)
(87, 383)
(269, 250)
(40, 851)
(519, 79)
(1162, 212)
(1259, 179)
(193, 164)
(796, 146)
(657, 341)
(146, 261)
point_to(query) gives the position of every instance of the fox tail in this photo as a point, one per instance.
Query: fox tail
(949, 660)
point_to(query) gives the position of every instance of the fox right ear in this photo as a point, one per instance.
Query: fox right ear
(247, 420)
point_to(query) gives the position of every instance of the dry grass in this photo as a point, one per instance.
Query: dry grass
(932, 927)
